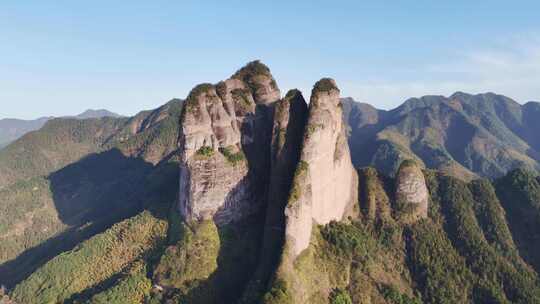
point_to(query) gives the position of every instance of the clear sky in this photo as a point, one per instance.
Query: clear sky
(62, 57)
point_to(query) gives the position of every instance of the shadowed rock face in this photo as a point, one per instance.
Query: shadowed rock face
(225, 143)
(411, 189)
(290, 118)
(325, 183)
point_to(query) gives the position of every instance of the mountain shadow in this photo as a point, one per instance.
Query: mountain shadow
(104, 183)
(93, 194)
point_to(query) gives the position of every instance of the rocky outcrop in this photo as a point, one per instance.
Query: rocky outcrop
(289, 123)
(325, 182)
(224, 146)
(411, 191)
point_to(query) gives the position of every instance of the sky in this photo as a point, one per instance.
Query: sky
(63, 57)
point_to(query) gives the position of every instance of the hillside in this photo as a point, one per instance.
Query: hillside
(468, 136)
(12, 129)
(74, 178)
(239, 195)
(375, 258)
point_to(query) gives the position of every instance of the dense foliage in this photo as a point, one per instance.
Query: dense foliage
(80, 272)
(468, 136)
(76, 178)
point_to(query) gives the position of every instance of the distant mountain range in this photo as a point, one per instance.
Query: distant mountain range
(465, 135)
(11, 129)
(90, 113)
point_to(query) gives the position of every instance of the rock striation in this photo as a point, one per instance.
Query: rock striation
(224, 146)
(411, 190)
(325, 183)
(245, 152)
(290, 118)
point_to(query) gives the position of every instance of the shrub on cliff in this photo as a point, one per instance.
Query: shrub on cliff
(340, 296)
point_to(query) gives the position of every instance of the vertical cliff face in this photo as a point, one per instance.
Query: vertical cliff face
(411, 191)
(325, 182)
(288, 129)
(225, 143)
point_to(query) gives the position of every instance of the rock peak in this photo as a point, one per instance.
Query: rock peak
(325, 182)
(293, 93)
(325, 85)
(411, 190)
(255, 67)
(260, 80)
(325, 93)
(224, 139)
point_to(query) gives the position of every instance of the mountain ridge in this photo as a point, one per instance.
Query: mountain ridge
(12, 128)
(240, 195)
(49, 178)
(495, 132)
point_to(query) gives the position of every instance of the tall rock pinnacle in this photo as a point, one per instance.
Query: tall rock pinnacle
(290, 117)
(325, 182)
(224, 144)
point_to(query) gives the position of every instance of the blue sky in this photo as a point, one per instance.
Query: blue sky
(62, 57)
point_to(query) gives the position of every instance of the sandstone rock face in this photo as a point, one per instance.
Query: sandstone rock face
(288, 129)
(225, 129)
(411, 189)
(325, 183)
(287, 136)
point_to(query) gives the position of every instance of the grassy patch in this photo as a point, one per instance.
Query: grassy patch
(192, 99)
(205, 151)
(340, 296)
(299, 175)
(232, 158)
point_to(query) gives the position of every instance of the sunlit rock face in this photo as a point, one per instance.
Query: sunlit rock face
(411, 190)
(325, 183)
(225, 144)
